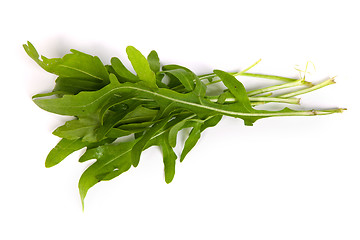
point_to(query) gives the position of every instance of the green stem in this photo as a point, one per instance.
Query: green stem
(205, 76)
(306, 90)
(250, 67)
(278, 87)
(265, 76)
(260, 99)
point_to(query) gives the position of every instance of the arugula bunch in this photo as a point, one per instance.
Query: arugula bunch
(153, 105)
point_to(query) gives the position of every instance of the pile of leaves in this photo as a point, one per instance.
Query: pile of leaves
(152, 105)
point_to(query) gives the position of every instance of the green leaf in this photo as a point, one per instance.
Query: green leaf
(183, 74)
(191, 141)
(114, 119)
(139, 115)
(141, 66)
(122, 71)
(112, 160)
(63, 149)
(31, 51)
(173, 131)
(73, 65)
(154, 61)
(78, 128)
(117, 133)
(200, 88)
(211, 122)
(79, 65)
(83, 104)
(236, 88)
(73, 86)
(140, 145)
(186, 78)
(169, 158)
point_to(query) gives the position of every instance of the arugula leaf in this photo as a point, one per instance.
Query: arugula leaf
(73, 65)
(169, 158)
(112, 160)
(185, 76)
(140, 145)
(191, 141)
(73, 86)
(83, 104)
(236, 88)
(154, 61)
(114, 119)
(122, 72)
(141, 66)
(63, 149)
(78, 128)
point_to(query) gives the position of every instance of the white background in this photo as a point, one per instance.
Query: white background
(283, 178)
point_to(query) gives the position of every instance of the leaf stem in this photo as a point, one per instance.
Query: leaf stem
(259, 99)
(278, 87)
(211, 75)
(306, 90)
(256, 75)
(265, 76)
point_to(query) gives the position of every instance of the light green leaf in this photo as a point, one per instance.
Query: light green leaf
(169, 158)
(31, 51)
(141, 66)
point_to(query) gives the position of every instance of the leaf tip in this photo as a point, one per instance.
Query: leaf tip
(48, 164)
(168, 180)
(82, 196)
